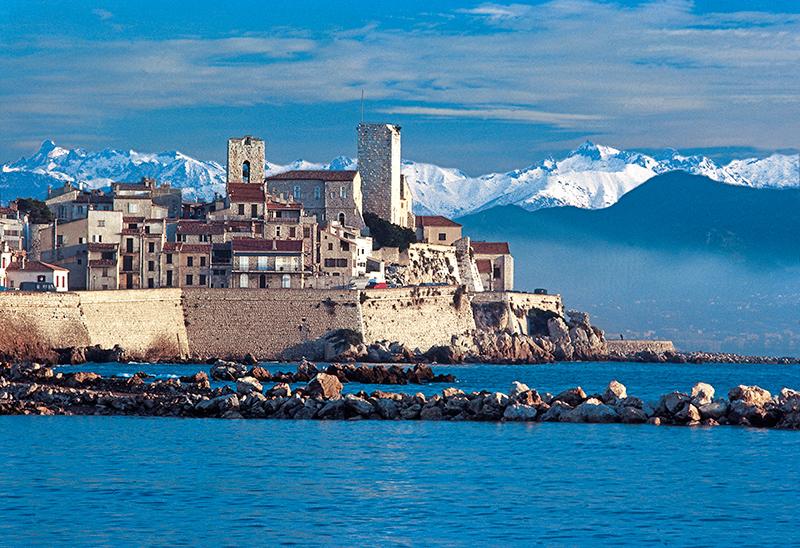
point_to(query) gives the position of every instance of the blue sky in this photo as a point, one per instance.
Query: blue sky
(477, 85)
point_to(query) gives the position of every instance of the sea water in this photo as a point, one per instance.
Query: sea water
(160, 481)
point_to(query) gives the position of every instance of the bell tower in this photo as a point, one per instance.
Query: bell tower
(246, 159)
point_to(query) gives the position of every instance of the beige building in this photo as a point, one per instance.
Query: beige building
(495, 265)
(12, 228)
(435, 229)
(186, 265)
(331, 196)
(257, 263)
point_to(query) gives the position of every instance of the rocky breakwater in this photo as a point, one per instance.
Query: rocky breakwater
(379, 374)
(35, 389)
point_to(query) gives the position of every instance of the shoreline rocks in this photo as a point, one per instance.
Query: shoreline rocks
(27, 389)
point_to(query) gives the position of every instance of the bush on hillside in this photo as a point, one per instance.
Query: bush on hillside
(386, 234)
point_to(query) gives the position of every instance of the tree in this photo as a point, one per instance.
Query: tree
(37, 210)
(386, 234)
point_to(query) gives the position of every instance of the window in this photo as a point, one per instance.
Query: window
(129, 245)
(241, 209)
(105, 273)
(151, 266)
(345, 246)
(330, 263)
(298, 194)
(341, 218)
(292, 232)
(189, 261)
(127, 263)
(151, 247)
(306, 232)
(286, 281)
(254, 210)
(133, 208)
(262, 281)
(442, 236)
(59, 240)
(246, 171)
(129, 281)
(107, 255)
(40, 278)
(341, 263)
(132, 226)
(343, 192)
(146, 229)
(81, 240)
(151, 283)
(496, 273)
(169, 278)
(317, 192)
(277, 231)
(169, 258)
(80, 261)
(101, 223)
(243, 280)
(189, 279)
(202, 279)
(202, 261)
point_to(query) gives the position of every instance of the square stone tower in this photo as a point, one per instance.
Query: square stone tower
(246, 159)
(384, 191)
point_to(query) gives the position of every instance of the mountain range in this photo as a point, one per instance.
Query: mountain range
(590, 177)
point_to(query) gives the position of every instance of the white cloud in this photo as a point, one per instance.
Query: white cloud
(562, 120)
(103, 14)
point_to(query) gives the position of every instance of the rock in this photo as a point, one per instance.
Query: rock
(387, 408)
(714, 410)
(557, 412)
(334, 409)
(517, 388)
(280, 390)
(219, 405)
(702, 393)
(592, 410)
(249, 359)
(672, 403)
(411, 412)
(450, 392)
(431, 413)
(324, 386)
(227, 371)
(688, 414)
(259, 373)
(572, 396)
(84, 377)
(615, 391)
(245, 385)
(358, 405)
(655, 421)
(751, 395)
(520, 412)
(633, 415)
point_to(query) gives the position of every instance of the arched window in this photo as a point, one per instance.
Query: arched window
(246, 171)
(341, 218)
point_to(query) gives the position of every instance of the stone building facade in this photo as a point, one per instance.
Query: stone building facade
(386, 192)
(246, 160)
(435, 229)
(495, 265)
(332, 196)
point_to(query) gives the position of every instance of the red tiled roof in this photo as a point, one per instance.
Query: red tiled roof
(244, 192)
(103, 263)
(490, 248)
(435, 220)
(279, 205)
(133, 219)
(484, 266)
(180, 247)
(35, 266)
(170, 246)
(256, 244)
(93, 199)
(199, 227)
(315, 175)
(103, 247)
(130, 232)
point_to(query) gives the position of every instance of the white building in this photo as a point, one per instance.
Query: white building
(23, 271)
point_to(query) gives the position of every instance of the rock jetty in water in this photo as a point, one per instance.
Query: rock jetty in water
(36, 389)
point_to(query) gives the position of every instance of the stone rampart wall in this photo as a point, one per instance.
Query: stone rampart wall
(148, 323)
(40, 320)
(266, 323)
(510, 310)
(421, 317)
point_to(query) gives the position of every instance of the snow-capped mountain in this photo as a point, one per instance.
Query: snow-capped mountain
(591, 176)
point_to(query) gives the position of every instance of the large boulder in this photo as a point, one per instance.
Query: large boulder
(246, 385)
(702, 394)
(714, 410)
(614, 392)
(324, 386)
(280, 390)
(750, 395)
(227, 371)
(520, 412)
(572, 396)
(593, 410)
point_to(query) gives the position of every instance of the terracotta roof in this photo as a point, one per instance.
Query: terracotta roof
(490, 248)
(244, 192)
(435, 220)
(170, 246)
(279, 205)
(484, 266)
(180, 247)
(315, 175)
(130, 232)
(35, 266)
(104, 263)
(132, 219)
(93, 199)
(199, 227)
(256, 244)
(103, 247)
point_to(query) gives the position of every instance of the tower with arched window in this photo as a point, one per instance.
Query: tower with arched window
(246, 160)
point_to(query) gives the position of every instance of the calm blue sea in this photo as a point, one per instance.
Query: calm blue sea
(146, 481)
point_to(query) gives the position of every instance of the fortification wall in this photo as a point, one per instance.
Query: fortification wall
(37, 322)
(634, 346)
(420, 316)
(147, 323)
(266, 323)
(512, 311)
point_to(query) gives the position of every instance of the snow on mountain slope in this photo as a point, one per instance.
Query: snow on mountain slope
(591, 176)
